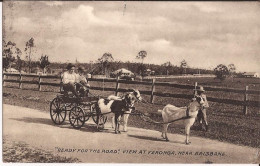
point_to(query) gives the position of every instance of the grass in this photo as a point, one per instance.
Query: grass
(20, 152)
(227, 122)
(240, 83)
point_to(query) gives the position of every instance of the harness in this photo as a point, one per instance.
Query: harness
(187, 112)
(127, 105)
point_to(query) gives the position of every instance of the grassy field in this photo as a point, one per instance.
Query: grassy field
(20, 152)
(227, 122)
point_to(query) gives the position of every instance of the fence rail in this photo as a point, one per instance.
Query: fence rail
(245, 103)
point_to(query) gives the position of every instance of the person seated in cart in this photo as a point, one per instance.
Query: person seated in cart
(82, 85)
(69, 80)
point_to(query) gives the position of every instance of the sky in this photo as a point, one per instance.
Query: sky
(204, 34)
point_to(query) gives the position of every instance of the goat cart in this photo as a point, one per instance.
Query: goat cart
(79, 110)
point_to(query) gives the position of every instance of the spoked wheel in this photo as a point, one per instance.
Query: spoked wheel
(102, 118)
(58, 111)
(77, 117)
(87, 112)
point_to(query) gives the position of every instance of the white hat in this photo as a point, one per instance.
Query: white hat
(201, 89)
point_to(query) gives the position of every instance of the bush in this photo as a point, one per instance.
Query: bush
(221, 72)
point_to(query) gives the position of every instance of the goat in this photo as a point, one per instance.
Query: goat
(186, 114)
(118, 107)
(125, 116)
(113, 97)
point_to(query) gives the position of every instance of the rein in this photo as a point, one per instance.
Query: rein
(145, 102)
(148, 119)
(144, 117)
(155, 122)
(93, 94)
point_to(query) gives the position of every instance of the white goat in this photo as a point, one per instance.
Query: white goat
(171, 113)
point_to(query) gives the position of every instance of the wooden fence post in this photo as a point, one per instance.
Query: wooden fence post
(20, 83)
(195, 87)
(117, 86)
(4, 79)
(153, 89)
(61, 88)
(39, 83)
(245, 101)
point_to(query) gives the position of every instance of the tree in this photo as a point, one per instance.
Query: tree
(105, 62)
(19, 62)
(184, 66)
(168, 66)
(9, 49)
(141, 69)
(221, 72)
(28, 49)
(44, 62)
(232, 70)
(141, 55)
(18, 52)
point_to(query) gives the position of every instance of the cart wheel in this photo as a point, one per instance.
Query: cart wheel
(102, 118)
(87, 112)
(77, 117)
(58, 111)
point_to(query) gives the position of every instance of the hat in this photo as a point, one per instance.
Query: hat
(69, 66)
(201, 89)
(81, 68)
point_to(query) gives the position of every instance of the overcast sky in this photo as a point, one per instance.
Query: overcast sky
(205, 34)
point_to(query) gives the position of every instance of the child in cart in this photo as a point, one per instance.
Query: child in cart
(82, 85)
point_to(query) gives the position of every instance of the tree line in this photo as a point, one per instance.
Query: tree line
(12, 57)
(104, 65)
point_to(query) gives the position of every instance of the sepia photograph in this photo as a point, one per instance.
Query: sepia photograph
(130, 82)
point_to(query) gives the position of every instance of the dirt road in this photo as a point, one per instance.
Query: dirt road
(136, 146)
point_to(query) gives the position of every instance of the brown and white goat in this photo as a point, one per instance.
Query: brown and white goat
(186, 115)
(125, 116)
(118, 107)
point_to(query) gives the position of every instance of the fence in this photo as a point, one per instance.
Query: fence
(152, 92)
(182, 76)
